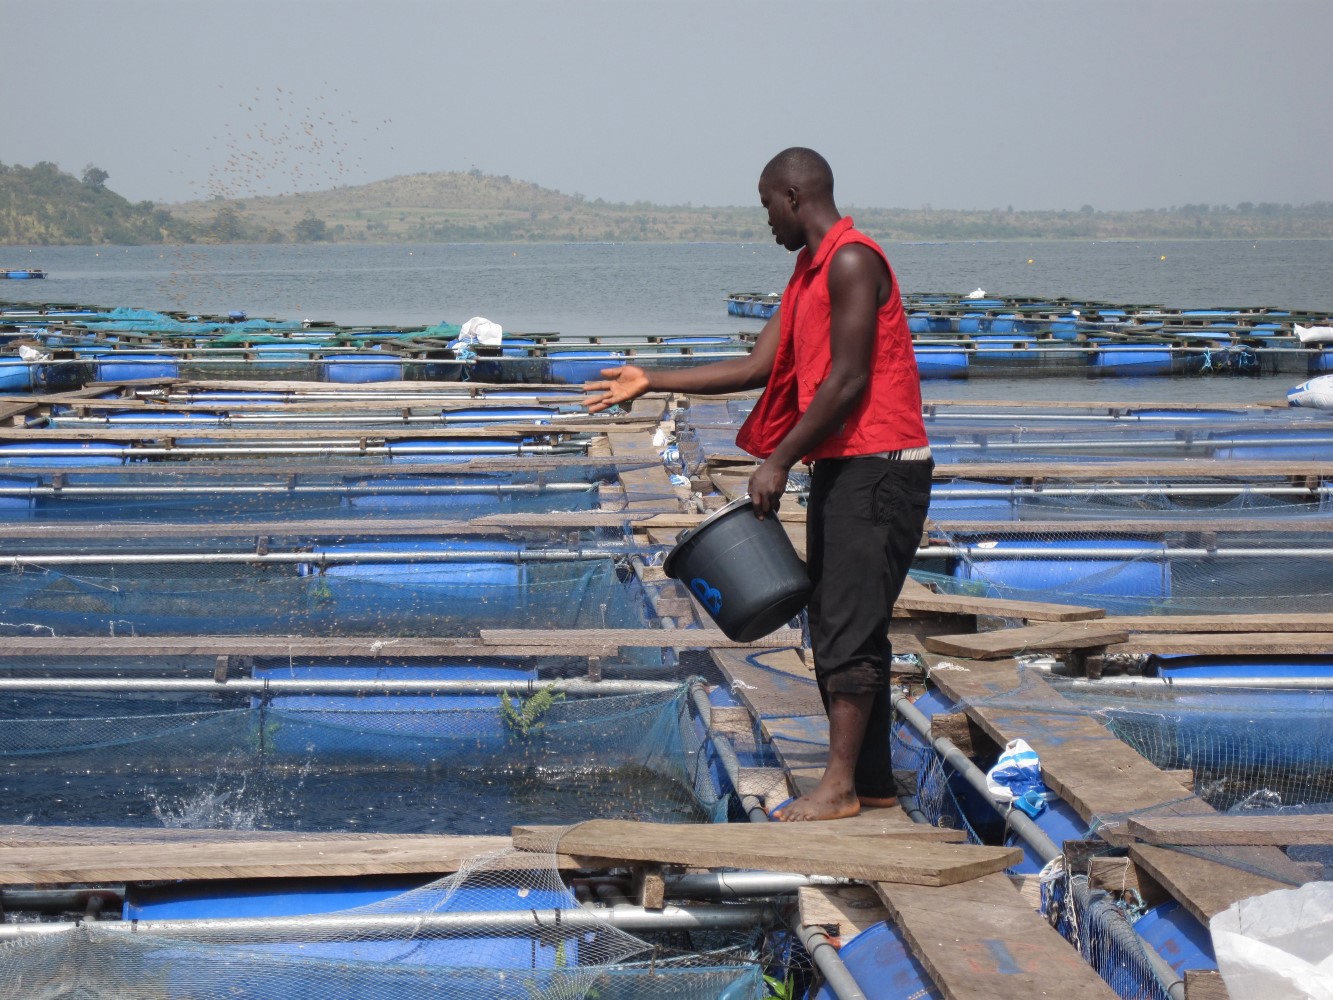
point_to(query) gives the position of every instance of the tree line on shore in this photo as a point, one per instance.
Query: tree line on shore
(42, 205)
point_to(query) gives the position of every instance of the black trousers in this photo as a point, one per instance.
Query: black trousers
(863, 527)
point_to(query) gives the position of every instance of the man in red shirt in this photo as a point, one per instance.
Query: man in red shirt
(840, 391)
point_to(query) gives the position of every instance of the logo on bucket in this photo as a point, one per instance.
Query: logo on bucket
(710, 597)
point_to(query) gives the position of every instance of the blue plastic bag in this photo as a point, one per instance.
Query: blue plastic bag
(1016, 778)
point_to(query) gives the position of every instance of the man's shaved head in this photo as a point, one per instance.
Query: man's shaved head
(801, 168)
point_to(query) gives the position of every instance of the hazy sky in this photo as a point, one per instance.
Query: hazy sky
(962, 104)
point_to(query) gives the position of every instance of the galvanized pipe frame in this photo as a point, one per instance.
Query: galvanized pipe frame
(317, 559)
(1025, 492)
(575, 687)
(545, 924)
(1111, 552)
(278, 489)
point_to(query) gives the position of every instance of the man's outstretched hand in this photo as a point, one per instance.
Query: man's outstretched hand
(620, 386)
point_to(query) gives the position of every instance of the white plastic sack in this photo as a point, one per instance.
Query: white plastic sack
(1016, 778)
(978, 293)
(1313, 334)
(1278, 946)
(479, 330)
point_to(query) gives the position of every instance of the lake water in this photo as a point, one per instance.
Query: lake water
(676, 289)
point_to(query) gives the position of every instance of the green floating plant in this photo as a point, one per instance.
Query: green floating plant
(523, 715)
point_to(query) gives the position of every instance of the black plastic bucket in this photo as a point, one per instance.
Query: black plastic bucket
(744, 571)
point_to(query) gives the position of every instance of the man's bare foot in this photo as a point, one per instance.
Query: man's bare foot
(870, 802)
(818, 805)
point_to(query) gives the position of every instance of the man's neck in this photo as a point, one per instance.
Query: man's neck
(818, 229)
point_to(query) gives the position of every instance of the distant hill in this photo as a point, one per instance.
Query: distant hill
(43, 205)
(476, 207)
(463, 207)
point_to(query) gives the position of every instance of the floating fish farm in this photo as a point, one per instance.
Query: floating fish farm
(340, 660)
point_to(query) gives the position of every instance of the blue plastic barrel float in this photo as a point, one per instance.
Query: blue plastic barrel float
(513, 363)
(1204, 727)
(882, 963)
(999, 349)
(365, 366)
(940, 362)
(1065, 327)
(1131, 360)
(577, 367)
(125, 367)
(1321, 361)
(918, 322)
(1174, 933)
(386, 728)
(475, 581)
(973, 322)
(951, 502)
(1057, 569)
(15, 376)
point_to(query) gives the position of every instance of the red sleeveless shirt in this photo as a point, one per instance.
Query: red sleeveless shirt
(888, 415)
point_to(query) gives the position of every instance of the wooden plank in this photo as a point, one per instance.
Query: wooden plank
(1037, 611)
(1239, 643)
(653, 638)
(962, 731)
(1203, 887)
(1276, 831)
(842, 911)
(1313, 622)
(1205, 984)
(1006, 642)
(772, 684)
(983, 939)
(105, 854)
(805, 848)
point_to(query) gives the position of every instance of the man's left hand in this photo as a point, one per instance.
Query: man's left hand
(766, 487)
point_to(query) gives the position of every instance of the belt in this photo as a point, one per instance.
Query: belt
(901, 455)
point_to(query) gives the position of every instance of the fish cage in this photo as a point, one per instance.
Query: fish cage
(1177, 568)
(463, 745)
(208, 579)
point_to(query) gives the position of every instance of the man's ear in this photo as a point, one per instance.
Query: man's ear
(794, 197)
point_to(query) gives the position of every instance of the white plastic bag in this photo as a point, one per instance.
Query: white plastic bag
(480, 330)
(1278, 946)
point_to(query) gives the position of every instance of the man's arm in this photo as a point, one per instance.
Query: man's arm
(857, 276)
(731, 375)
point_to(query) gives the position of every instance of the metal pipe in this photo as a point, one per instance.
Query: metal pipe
(1015, 819)
(246, 685)
(1200, 444)
(1024, 827)
(463, 489)
(324, 558)
(1136, 685)
(284, 450)
(754, 809)
(1019, 492)
(548, 923)
(825, 956)
(1112, 552)
(60, 900)
(743, 885)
